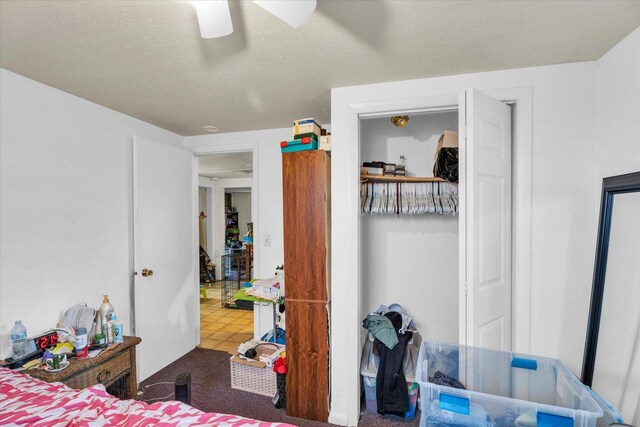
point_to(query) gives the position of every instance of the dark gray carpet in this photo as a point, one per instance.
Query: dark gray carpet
(211, 392)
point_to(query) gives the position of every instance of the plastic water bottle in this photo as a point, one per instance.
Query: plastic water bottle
(19, 340)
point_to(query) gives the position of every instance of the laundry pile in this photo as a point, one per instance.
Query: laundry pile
(392, 330)
(415, 198)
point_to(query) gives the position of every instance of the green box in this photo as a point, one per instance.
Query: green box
(304, 144)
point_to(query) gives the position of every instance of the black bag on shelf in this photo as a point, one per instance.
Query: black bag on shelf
(446, 165)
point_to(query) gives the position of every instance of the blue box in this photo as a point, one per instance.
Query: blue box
(303, 144)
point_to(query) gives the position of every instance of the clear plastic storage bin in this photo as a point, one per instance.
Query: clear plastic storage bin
(369, 370)
(502, 389)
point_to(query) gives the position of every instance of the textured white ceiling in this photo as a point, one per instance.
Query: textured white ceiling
(146, 58)
(226, 165)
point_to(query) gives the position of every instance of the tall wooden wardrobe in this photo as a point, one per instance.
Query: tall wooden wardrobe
(307, 238)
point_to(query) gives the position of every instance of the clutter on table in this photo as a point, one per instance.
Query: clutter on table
(82, 332)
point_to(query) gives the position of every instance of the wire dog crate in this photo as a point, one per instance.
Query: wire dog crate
(235, 272)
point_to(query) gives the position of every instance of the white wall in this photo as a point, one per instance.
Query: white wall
(411, 260)
(66, 204)
(618, 121)
(618, 108)
(242, 202)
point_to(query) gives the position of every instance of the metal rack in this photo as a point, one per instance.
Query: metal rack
(235, 272)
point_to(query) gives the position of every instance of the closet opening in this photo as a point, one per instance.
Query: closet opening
(494, 237)
(410, 251)
(450, 268)
(226, 248)
(435, 231)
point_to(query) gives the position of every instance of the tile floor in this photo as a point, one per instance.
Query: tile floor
(223, 328)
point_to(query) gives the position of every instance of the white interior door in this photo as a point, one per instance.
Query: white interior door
(485, 221)
(166, 309)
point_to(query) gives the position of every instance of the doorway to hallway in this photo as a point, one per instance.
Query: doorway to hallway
(226, 182)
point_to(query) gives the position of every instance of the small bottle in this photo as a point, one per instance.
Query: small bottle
(109, 332)
(18, 340)
(116, 326)
(100, 339)
(81, 344)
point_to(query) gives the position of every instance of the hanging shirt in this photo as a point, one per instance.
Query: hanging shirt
(382, 329)
(407, 321)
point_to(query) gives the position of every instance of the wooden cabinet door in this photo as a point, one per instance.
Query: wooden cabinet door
(307, 361)
(306, 186)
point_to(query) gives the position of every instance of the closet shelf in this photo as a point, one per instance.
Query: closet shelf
(380, 178)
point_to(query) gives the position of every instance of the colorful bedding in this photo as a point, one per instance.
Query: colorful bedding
(25, 400)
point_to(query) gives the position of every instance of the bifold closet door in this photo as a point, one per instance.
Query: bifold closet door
(307, 360)
(485, 221)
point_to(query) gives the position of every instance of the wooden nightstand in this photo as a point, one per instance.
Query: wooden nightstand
(115, 369)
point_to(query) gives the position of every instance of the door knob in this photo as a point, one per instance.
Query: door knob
(146, 272)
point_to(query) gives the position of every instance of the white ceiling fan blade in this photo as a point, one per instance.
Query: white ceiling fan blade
(214, 18)
(293, 12)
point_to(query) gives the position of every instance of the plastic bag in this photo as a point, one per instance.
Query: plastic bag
(446, 165)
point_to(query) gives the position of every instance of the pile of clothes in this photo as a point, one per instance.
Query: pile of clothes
(392, 330)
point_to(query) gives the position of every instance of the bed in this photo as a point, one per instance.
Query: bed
(25, 400)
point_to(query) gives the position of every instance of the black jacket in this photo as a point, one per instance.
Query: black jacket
(392, 394)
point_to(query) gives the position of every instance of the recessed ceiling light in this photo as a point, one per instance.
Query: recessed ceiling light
(210, 129)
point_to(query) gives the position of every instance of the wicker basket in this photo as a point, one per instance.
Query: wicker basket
(253, 379)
